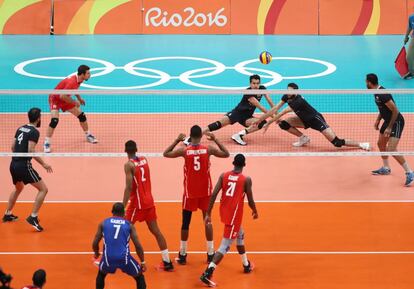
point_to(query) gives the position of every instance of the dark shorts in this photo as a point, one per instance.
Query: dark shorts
(22, 171)
(129, 266)
(239, 116)
(397, 128)
(317, 123)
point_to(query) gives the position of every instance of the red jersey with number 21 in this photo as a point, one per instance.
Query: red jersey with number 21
(232, 198)
(197, 180)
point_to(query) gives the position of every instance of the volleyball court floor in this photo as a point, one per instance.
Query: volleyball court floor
(324, 222)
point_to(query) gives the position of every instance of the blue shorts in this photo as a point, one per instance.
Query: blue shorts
(129, 266)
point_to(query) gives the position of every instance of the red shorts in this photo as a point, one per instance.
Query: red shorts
(196, 203)
(231, 231)
(133, 214)
(55, 103)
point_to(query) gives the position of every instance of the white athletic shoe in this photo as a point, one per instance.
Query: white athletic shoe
(304, 139)
(365, 146)
(187, 141)
(238, 139)
(46, 147)
(90, 138)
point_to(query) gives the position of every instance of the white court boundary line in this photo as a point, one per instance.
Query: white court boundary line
(256, 201)
(234, 252)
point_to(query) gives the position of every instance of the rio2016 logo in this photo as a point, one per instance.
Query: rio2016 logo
(156, 17)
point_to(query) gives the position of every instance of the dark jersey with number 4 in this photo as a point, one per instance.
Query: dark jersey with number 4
(245, 106)
(23, 135)
(385, 112)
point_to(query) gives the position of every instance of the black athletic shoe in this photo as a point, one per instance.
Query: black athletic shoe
(206, 277)
(9, 218)
(181, 259)
(34, 221)
(167, 266)
(249, 268)
(209, 258)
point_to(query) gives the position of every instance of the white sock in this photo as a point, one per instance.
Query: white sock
(34, 215)
(183, 247)
(47, 140)
(8, 212)
(210, 247)
(165, 256)
(386, 163)
(87, 132)
(244, 259)
(242, 133)
(406, 167)
(212, 265)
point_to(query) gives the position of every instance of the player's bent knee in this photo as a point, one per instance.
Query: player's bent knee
(214, 126)
(54, 122)
(262, 124)
(284, 125)
(240, 240)
(186, 220)
(338, 142)
(82, 117)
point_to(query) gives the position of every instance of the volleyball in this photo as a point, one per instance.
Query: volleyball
(265, 57)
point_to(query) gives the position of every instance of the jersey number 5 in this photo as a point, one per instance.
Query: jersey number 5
(197, 163)
(230, 189)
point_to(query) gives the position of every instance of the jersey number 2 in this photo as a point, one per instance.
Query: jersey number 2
(142, 174)
(117, 227)
(230, 189)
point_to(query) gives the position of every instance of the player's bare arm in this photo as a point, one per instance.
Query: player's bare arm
(129, 170)
(138, 247)
(96, 240)
(170, 152)
(257, 104)
(250, 200)
(222, 152)
(31, 149)
(213, 198)
(391, 105)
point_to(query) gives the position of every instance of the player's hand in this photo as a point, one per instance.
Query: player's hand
(82, 101)
(406, 39)
(48, 168)
(210, 135)
(376, 125)
(180, 137)
(255, 215)
(143, 267)
(77, 104)
(207, 220)
(387, 132)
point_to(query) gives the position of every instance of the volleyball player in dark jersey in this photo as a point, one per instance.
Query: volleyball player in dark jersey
(242, 113)
(306, 116)
(22, 172)
(391, 129)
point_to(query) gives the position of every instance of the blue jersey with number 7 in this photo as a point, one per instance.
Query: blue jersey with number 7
(116, 235)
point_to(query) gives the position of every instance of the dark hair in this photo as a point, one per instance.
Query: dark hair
(34, 114)
(196, 132)
(373, 78)
(239, 161)
(39, 278)
(131, 147)
(293, 85)
(254, 76)
(82, 69)
(118, 209)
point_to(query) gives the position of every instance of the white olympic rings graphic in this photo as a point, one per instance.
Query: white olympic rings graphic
(186, 77)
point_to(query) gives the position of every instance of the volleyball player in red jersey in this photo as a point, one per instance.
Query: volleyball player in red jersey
(141, 205)
(197, 183)
(66, 103)
(234, 186)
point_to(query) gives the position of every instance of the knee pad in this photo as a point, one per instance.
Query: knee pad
(82, 117)
(214, 126)
(284, 125)
(225, 246)
(186, 220)
(240, 238)
(338, 142)
(54, 122)
(262, 124)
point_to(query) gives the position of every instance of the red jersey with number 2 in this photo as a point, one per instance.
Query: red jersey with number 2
(141, 186)
(232, 198)
(197, 180)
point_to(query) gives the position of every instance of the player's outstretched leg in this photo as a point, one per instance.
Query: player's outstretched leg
(212, 127)
(330, 135)
(8, 216)
(76, 111)
(238, 137)
(166, 264)
(290, 125)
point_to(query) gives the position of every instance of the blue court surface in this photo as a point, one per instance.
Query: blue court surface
(197, 62)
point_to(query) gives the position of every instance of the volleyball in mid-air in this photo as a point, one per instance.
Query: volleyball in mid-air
(265, 57)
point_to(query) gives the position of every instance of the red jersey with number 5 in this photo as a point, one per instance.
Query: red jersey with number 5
(141, 194)
(197, 180)
(232, 198)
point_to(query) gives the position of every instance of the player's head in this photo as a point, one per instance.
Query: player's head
(371, 80)
(239, 161)
(131, 147)
(292, 86)
(83, 71)
(118, 210)
(34, 116)
(254, 81)
(39, 278)
(195, 134)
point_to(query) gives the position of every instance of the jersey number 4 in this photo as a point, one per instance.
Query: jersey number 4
(230, 189)
(20, 137)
